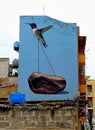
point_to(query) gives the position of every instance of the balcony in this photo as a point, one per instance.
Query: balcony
(90, 105)
(89, 94)
(81, 58)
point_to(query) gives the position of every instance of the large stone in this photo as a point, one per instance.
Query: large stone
(46, 84)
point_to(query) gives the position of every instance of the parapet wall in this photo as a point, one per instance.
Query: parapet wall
(38, 117)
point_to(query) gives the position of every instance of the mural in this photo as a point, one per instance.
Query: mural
(48, 58)
(38, 32)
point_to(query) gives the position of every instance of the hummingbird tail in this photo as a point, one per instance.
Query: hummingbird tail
(46, 45)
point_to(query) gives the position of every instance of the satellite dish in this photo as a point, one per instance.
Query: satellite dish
(15, 63)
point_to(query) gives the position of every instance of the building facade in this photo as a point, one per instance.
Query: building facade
(82, 79)
(60, 58)
(8, 82)
(90, 95)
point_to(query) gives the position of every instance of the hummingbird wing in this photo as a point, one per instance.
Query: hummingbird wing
(45, 29)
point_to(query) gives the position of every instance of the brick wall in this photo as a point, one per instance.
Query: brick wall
(39, 117)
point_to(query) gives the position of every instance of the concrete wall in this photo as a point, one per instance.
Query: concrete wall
(4, 67)
(7, 85)
(8, 81)
(6, 90)
(38, 117)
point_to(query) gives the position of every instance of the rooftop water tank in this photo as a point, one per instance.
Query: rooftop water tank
(16, 46)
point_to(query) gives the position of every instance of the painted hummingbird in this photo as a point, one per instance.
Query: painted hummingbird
(38, 32)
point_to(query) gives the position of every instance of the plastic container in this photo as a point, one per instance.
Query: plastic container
(17, 98)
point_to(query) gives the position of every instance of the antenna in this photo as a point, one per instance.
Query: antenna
(44, 9)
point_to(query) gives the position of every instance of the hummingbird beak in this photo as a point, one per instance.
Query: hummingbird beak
(33, 25)
(28, 23)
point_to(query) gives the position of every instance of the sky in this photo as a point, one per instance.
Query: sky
(81, 12)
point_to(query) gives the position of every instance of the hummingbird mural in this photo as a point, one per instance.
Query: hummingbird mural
(38, 33)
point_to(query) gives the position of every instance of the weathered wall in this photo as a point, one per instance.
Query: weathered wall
(8, 81)
(6, 90)
(7, 85)
(4, 67)
(38, 117)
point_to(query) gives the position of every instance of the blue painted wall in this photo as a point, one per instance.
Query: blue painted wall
(62, 52)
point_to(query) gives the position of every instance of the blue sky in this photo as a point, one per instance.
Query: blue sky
(74, 11)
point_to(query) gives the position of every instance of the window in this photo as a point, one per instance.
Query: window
(89, 88)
